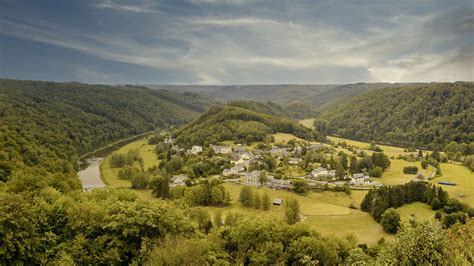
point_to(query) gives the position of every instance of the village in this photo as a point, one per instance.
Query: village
(242, 159)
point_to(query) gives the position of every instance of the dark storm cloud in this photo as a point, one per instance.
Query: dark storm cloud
(237, 42)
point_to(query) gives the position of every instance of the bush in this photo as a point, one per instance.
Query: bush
(376, 172)
(412, 170)
(390, 221)
(436, 204)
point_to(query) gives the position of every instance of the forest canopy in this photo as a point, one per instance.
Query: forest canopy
(424, 115)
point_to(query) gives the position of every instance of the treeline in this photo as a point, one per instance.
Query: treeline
(46, 126)
(240, 125)
(425, 115)
(378, 201)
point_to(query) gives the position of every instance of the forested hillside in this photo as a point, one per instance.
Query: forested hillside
(46, 126)
(303, 98)
(294, 110)
(424, 115)
(238, 124)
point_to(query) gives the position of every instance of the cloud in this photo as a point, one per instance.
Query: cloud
(127, 8)
(237, 42)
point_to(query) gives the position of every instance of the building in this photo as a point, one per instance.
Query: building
(252, 178)
(234, 170)
(360, 179)
(221, 149)
(246, 155)
(294, 160)
(178, 180)
(319, 173)
(277, 202)
(196, 149)
(279, 152)
(280, 184)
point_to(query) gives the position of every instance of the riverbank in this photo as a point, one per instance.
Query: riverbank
(90, 163)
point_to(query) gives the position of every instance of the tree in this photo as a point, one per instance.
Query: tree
(340, 172)
(376, 172)
(292, 211)
(436, 204)
(256, 202)
(420, 154)
(218, 218)
(263, 178)
(246, 196)
(390, 221)
(300, 186)
(266, 203)
(353, 168)
(424, 164)
(160, 186)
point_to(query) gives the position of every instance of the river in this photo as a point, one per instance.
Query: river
(89, 165)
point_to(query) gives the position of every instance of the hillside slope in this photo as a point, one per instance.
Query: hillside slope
(417, 115)
(294, 110)
(307, 97)
(46, 126)
(238, 124)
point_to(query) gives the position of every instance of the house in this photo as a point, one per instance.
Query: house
(252, 178)
(294, 160)
(234, 156)
(280, 184)
(360, 179)
(246, 155)
(239, 148)
(319, 173)
(279, 152)
(196, 149)
(169, 140)
(221, 149)
(234, 170)
(277, 202)
(178, 180)
(316, 147)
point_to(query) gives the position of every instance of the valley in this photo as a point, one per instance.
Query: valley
(197, 168)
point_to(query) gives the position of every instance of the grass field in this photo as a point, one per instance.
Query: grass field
(285, 137)
(326, 212)
(307, 122)
(109, 174)
(418, 210)
(463, 178)
(395, 176)
(451, 172)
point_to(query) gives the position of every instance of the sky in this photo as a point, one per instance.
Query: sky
(237, 42)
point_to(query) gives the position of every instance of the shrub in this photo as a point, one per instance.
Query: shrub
(412, 170)
(390, 221)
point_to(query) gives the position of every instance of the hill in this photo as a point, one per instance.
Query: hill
(294, 110)
(46, 126)
(238, 124)
(419, 115)
(305, 98)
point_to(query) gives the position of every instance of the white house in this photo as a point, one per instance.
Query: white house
(246, 155)
(221, 149)
(360, 179)
(196, 149)
(252, 178)
(178, 180)
(294, 160)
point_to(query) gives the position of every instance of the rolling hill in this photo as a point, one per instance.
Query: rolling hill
(422, 115)
(46, 126)
(307, 97)
(222, 123)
